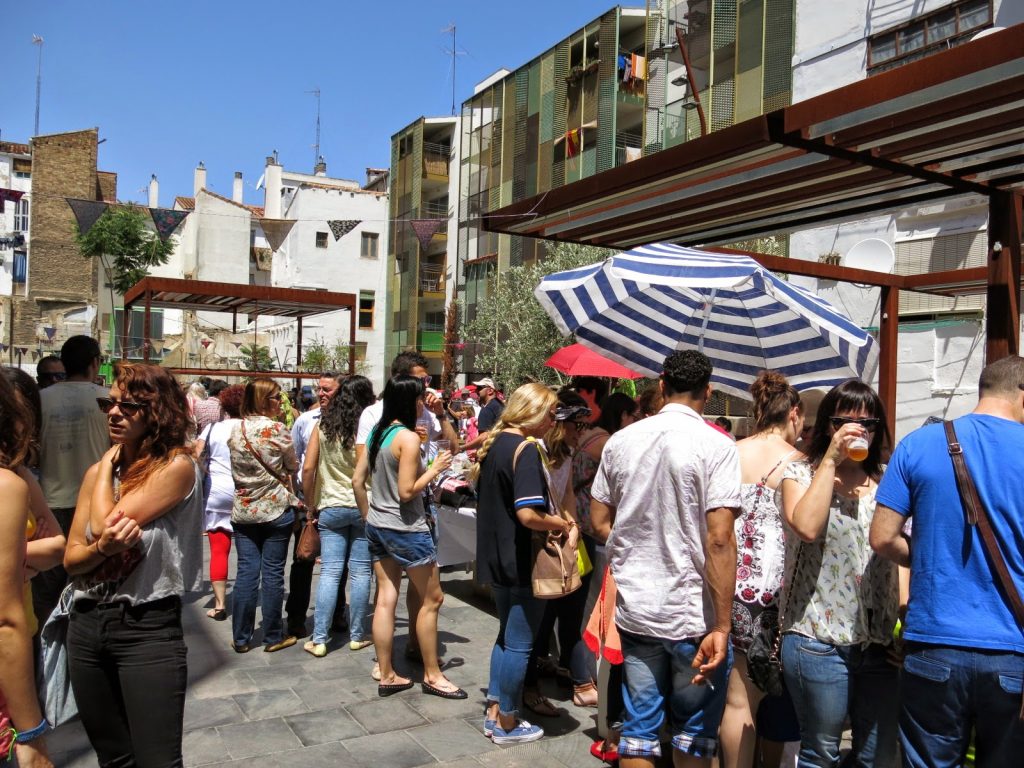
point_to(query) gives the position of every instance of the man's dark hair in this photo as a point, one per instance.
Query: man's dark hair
(47, 359)
(215, 387)
(78, 353)
(724, 423)
(338, 376)
(206, 381)
(686, 372)
(1003, 377)
(594, 384)
(406, 361)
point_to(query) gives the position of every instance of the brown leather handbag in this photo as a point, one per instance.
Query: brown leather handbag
(555, 572)
(308, 548)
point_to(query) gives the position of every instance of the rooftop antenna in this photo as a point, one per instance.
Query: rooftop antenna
(316, 146)
(37, 40)
(453, 52)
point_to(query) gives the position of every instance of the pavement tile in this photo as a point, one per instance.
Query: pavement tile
(527, 756)
(270, 703)
(223, 682)
(322, 694)
(262, 737)
(323, 726)
(438, 710)
(203, 713)
(203, 747)
(449, 741)
(383, 715)
(332, 755)
(393, 750)
(279, 676)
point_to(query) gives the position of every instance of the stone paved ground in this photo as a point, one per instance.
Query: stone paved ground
(292, 710)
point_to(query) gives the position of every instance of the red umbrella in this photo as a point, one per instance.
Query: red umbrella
(577, 360)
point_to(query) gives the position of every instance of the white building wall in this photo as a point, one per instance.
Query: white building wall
(8, 181)
(939, 360)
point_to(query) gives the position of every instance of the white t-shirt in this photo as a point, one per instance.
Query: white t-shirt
(222, 486)
(371, 415)
(302, 431)
(662, 474)
(73, 437)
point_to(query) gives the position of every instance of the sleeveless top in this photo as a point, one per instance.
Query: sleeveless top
(760, 558)
(166, 562)
(334, 470)
(387, 510)
(584, 470)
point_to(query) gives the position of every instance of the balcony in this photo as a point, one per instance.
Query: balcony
(436, 158)
(432, 278)
(435, 209)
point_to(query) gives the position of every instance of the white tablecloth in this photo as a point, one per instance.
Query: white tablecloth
(456, 535)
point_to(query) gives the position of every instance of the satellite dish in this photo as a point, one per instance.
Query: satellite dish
(871, 254)
(987, 32)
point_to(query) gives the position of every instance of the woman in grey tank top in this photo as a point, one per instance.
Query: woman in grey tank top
(134, 549)
(397, 532)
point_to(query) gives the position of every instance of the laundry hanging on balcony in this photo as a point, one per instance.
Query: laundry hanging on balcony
(341, 227)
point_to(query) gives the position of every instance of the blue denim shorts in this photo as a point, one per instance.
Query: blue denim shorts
(408, 549)
(657, 675)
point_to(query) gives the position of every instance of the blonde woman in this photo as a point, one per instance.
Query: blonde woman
(512, 503)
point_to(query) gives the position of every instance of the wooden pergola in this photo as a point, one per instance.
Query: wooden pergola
(254, 300)
(949, 125)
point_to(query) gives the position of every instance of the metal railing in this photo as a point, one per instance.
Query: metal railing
(435, 209)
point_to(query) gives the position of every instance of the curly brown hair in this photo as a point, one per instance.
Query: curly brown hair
(19, 426)
(167, 417)
(231, 400)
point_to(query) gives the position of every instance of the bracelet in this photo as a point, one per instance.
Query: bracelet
(24, 737)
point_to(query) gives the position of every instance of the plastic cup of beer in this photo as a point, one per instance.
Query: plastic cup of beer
(443, 445)
(858, 448)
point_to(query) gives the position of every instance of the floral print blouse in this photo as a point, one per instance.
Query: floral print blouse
(259, 496)
(836, 589)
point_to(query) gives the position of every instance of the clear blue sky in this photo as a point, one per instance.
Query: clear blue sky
(225, 81)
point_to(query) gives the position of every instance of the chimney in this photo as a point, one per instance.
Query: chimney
(154, 192)
(199, 181)
(272, 188)
(236, 189)
(320, 169)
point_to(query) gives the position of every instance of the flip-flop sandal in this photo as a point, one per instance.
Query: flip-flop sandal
(390, 689)
(217, 614)
(433, 690)
(538, 704)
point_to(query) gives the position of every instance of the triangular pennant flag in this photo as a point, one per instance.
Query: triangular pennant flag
(3, 347)
(50, 332)
(425, 229)
(86, 212)
(22, 350)
(166, 220)
(237, 344)
(157, 346)
(206, 343)
(264, 258)
(341, 227)
(276, 230)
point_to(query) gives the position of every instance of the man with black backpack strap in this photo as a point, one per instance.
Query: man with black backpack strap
(960, 484)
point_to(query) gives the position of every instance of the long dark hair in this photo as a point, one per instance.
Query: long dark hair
(852, 395)
(19, 427)
(339, 419)
(400, 396)
(612, 410)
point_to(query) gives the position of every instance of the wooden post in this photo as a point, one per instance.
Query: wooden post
(1002, 315)
(146, 327)
(126, 315)
(298, 352)
(352, 339)
(888, 341)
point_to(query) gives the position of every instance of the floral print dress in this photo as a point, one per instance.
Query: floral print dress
(760, 561)
(261, 497)
(837, 590)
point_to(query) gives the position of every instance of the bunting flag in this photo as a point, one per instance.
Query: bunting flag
(206, 343)
(341, 227)
(166, 220)
(157, 346)
(276, 230)
(237, 344)
(425, 229)
(264, 258)
(50, 332)
(86, 212)
(22, 350)
(3, 347)
(9, 194)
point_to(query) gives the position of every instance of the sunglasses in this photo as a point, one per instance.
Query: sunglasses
(868, 423)
(426, 380)
(275, 397)
(127, 407)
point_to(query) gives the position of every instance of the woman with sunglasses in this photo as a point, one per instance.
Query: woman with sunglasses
(133, 551)
(262, 515)
(840, 601)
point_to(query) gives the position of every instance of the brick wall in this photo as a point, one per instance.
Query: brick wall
(59, 279)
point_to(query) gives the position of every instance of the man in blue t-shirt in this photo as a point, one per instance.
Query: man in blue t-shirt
(964, 662)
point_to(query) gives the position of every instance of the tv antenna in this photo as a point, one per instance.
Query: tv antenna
(316, 146)
(453, 52)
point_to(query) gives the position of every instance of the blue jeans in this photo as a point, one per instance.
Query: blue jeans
(342, 535)
(519, 618)
(830, 682)
(657, 675)
(262, 550)
(947, 692)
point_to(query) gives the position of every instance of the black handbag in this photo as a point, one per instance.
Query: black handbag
(764, 663)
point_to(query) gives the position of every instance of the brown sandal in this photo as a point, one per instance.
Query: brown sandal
(584, 695)
(538, 703)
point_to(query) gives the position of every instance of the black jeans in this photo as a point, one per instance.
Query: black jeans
(47, 585)
(128, 673)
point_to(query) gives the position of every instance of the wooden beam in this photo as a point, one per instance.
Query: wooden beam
(888, 342)
(1002, 316)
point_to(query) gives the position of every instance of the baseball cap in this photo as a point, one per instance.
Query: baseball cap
(487, 382)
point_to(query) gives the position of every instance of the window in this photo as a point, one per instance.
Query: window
(368, 246)
(940, 254)
(366, 302)
(19, 273)
(944, 28)
(135, 337)
(22, 169)
(321, 239)
(21, 215)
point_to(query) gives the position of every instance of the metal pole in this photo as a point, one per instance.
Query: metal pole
(37, 40)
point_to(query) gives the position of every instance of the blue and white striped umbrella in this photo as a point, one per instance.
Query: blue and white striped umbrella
(638, 306)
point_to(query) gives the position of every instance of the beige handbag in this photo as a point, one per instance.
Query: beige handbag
(555, 572)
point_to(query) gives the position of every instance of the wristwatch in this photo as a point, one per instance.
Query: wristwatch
(24, 737)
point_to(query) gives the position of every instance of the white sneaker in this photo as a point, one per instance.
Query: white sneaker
(521, 734)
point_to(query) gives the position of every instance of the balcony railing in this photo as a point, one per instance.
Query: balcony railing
(431, 278)
(435, 209)
(436, 158)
